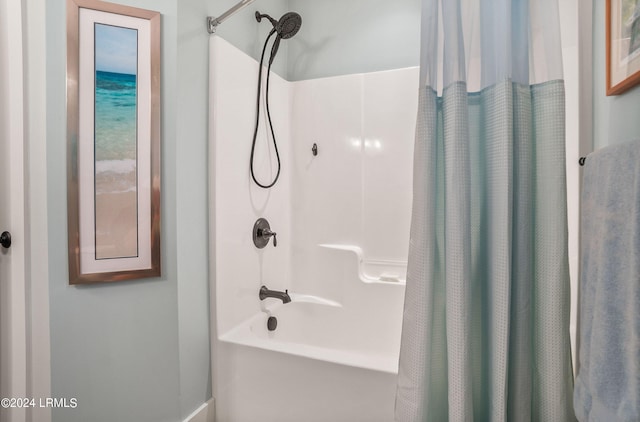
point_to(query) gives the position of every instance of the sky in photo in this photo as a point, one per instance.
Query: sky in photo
(116, 49)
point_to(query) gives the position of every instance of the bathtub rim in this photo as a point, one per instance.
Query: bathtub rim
(242, 335)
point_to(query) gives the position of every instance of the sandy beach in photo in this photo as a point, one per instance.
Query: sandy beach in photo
(116, 225)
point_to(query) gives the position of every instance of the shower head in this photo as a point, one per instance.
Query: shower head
(288, 25)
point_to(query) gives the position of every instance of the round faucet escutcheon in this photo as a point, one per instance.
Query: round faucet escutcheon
(261, 234)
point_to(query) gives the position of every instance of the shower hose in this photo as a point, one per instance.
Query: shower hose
(255, 132)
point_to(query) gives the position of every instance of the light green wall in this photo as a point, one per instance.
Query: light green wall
(337, 37)
(615, 118)
(137, 350)
(192, 204)
(341, 37)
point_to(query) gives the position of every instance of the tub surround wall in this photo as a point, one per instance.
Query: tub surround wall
(356, 191)
(241, 268)
(342, 219)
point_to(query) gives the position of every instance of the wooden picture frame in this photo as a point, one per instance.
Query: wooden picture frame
(622, 45)
(113, 142)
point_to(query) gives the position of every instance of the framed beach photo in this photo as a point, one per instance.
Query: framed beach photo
(622, 45)
(113, 142)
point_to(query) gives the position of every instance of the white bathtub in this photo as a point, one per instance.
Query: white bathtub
(267, 386)
(319, 365)
(329, 359)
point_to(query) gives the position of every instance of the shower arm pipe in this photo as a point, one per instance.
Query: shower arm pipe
(213, 22)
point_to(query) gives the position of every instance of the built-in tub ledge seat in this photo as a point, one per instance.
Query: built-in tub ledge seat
(270, 305)
(373, 271)
(297, 297)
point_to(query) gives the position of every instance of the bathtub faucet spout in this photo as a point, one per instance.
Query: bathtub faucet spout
(283, 296)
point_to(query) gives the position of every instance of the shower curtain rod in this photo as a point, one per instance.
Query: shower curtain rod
(213, 22)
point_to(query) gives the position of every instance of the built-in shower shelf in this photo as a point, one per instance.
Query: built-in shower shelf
(373, 271)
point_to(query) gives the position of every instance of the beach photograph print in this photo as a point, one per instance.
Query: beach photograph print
(113, 142)
(115, 137)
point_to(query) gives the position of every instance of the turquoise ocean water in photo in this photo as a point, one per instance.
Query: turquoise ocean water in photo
(115, 132)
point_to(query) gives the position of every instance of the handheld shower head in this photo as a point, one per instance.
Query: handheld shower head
(288, 25)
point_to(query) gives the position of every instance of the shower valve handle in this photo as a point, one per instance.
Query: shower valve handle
(266, 234)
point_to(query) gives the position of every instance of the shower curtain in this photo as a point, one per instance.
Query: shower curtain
(486, 321)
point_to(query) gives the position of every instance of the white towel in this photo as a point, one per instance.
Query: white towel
(608, 381)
